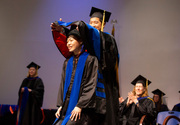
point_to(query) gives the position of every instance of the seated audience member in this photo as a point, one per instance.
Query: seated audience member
(137, 104)
(176, 107)
(157, 97)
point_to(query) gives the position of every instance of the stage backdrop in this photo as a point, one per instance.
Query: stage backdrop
(147, 35)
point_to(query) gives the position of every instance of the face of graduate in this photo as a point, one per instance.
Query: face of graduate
(73, 45)
(139, 89)
(156, 98)
(32, 71)
(95, 22)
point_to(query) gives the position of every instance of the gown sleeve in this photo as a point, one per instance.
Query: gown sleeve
(147, 107)
(61, 87)
(23, 84)
(89, 82)
(60, 41)
(123, 107)
(109, 51)
(38, 92)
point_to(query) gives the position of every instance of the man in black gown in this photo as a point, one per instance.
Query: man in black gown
(108, 69)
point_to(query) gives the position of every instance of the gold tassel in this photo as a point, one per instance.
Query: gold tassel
(102, 26)
(147, 85)
(113, 30)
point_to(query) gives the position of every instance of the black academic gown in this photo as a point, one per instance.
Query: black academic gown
(163, 107)
(86, 99)
(176, 107)
(32, 114)
(132, 114)
(108, 64)
(108, 67)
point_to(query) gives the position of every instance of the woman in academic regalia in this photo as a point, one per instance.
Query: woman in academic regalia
(76, 96)
(31, 94)
(157, 97)
(137, 104)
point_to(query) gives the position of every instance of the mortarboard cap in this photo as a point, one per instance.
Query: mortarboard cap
(158, 92)
(32, 64)
(95, 12)
(74, 32)
(141, 79)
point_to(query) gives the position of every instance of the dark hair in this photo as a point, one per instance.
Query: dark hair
(79, 39)
(75, 34)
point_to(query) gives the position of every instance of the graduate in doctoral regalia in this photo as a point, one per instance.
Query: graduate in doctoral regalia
(137, 104)
(76, 96)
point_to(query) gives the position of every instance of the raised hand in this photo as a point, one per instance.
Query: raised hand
(129, 101)
(55, 27)
(121, 99)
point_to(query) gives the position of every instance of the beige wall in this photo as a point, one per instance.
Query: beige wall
(147, 34)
